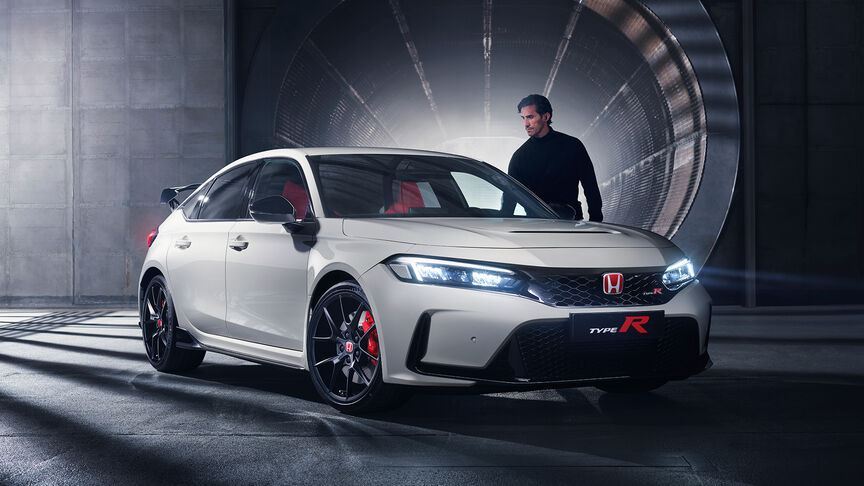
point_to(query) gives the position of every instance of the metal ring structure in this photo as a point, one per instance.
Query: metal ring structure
(646, 86)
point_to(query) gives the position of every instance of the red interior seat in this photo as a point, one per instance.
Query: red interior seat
(409, 197)
(296, 194)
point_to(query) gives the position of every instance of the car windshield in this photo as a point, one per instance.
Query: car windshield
(376, 185)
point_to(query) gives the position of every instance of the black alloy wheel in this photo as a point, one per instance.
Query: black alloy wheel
(158, 323)
(343, 353)
(154, 313)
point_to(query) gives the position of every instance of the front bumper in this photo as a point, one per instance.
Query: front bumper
(443, 336)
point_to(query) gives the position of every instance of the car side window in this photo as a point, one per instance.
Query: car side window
(193, 204)
(225, 199)
(482, 194)
(282, 177)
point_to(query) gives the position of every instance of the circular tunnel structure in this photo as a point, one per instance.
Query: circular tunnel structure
(645, 85)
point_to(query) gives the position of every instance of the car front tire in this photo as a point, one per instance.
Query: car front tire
(343, 353)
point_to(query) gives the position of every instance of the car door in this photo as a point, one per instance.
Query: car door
(196, 257)
(266, 266)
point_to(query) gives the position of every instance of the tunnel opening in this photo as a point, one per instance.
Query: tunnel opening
(447, 75)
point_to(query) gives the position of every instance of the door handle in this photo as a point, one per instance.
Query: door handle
(183, 243)
(238, 244)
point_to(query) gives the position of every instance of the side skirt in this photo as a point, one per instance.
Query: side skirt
(255, 352)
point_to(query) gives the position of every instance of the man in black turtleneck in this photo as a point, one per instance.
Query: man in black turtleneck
(553, 164)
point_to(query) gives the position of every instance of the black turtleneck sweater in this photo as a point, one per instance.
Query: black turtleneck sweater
(553, 166)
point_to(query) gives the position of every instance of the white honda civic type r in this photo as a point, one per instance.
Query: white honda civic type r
(380, 270)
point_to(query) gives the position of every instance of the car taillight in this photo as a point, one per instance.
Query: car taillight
(152, 236)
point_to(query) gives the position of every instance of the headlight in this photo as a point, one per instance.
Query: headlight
(678, 274)
(445, 272)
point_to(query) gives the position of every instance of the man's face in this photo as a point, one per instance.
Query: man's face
(535, 124)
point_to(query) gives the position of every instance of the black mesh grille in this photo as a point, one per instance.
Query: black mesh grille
(562, 290)
(679, 345)
(547, 354)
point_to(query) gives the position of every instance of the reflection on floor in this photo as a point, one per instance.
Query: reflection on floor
(79, 404)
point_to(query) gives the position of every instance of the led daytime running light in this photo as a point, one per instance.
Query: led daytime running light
(678, 274)
(444, 272)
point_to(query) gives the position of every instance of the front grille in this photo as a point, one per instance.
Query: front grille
(679, 345)
(544, 352)
(563, 290)
(547, 354)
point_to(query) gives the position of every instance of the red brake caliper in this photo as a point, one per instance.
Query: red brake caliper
(372, 342)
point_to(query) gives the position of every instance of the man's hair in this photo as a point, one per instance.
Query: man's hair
(540, 102)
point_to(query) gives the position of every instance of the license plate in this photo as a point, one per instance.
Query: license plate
(616, 326)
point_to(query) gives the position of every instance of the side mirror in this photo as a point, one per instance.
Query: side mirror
(273, 209)
(564, 211)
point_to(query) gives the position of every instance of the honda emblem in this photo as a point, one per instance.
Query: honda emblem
(613, 283)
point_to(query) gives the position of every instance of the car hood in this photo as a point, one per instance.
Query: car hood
(502, 233)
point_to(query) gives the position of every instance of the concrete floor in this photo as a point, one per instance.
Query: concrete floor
(79, 404)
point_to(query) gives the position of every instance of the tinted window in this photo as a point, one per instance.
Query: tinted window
(283, 178)
(378, 185)
(226, 197)
(480, 193)
(193, 203)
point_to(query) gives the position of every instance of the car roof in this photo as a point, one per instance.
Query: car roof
(312, 151)
(302, 152)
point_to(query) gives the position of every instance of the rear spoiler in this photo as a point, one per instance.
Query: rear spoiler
(169, 194)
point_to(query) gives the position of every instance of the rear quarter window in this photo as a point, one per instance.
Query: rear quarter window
(193, 202)
(226, 198)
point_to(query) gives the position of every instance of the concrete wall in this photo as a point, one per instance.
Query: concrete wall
(102, 103)
(809, 91)
(810, 149)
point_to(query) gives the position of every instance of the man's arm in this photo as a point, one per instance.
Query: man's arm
(589, 184)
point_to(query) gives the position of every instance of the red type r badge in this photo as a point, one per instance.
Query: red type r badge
(616, 326)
